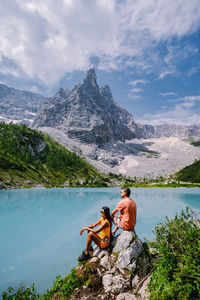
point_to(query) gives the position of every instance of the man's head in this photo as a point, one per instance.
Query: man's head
(125, 192)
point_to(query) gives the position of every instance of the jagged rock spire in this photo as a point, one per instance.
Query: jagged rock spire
(90, 78)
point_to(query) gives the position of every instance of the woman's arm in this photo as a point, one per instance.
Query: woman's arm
(90, 227)
(103, 226)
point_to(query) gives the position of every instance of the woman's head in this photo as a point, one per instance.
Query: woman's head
(106, 211)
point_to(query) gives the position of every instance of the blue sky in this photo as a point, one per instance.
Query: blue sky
(148, 52)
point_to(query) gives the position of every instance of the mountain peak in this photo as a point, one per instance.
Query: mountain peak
(91, 73)
(90, 78)
(63, 93)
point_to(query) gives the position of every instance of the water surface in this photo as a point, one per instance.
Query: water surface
(39, 228)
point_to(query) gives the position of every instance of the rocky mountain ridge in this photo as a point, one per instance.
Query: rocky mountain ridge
(18, 106)
(167, 130)
(88, 113)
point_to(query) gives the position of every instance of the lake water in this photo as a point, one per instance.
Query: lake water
(39, 228)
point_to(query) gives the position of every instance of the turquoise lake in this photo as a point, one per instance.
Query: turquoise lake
(39, 228)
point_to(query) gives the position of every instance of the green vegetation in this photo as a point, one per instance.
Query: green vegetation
(22, 293)
(196, 143)
(177, 273)
(64, 287)
(190, 173)
(61, 289)
(160, 182)
(29, 157)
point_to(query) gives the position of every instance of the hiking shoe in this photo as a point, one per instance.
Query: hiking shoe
(91, 249)
(84, 256)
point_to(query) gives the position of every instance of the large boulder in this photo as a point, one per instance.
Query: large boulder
(119, 270)
(128, 248)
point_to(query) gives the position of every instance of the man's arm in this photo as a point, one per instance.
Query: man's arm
(114, 212)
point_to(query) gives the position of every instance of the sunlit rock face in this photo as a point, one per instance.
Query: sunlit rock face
(88, 113)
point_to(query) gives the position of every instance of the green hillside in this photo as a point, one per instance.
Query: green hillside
(30, 158)
(190, 173)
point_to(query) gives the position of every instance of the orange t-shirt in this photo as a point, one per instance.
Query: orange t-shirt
(128, 211)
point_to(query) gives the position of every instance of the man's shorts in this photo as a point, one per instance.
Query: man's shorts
(118, 222)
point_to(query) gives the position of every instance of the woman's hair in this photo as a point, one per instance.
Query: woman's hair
(106, 210)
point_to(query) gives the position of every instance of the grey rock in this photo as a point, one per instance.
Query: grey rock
(125, 261)
(168, 130)
(105, 263)
(135, 281)
(2, 186)
(115, 284)
(128, 248)
(126, 296)
(94, 259)
(18, 105)
(107, 282)
(124, 240)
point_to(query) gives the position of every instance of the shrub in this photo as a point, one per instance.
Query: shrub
(22, 293)
(65, 286)
(177, 273)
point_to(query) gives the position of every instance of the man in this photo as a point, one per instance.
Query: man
(128, 211)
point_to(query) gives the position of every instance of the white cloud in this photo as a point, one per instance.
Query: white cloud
(46, 39)
(190, 98)
(175, 56)
(134, 97)
(194, 70)
(168, 94)
(180, 114)
(136, 90)
(136, 82)
(164, 74)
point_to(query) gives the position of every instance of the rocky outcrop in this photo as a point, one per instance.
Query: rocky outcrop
(18, 106)
(118, 273)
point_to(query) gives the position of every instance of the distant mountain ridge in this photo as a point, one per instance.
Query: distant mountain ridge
(89, 113)
(168, 130)
(18, 105)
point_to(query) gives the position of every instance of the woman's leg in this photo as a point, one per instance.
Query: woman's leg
(92, 237)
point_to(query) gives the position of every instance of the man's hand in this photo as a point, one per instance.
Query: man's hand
(113, 212)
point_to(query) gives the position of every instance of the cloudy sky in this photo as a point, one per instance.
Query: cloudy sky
(148, 52)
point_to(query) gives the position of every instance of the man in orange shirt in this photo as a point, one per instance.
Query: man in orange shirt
(128, 211)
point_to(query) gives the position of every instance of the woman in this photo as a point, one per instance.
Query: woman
(101, 236)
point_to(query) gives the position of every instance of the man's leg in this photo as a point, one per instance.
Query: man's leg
(118, 224)
(115, 229)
